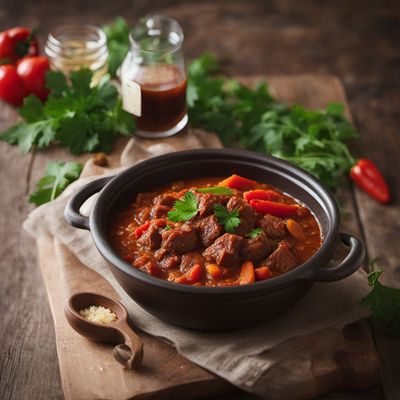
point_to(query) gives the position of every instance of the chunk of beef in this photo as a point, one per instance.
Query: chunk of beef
(167, 199)
(246, 214)
(170, 262)
(256, 248)
(208, 230)
(282, 259)
(159, 211)
(207, 201)
(274, 227)
(225, 251)
(179, 240)
(151, 238)
(147, 264)
(190, 259)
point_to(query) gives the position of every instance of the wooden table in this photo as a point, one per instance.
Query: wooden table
(356, 40)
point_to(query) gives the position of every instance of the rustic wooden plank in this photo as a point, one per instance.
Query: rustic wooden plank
(28, 362)
(375, 110)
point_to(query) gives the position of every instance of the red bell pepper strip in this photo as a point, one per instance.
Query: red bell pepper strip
(141, 229)
(260, 194)
(262, 273)
(237, 182)
(368, 178)
(246, 273)
(278, 209)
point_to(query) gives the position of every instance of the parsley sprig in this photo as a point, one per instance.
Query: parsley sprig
(254, 233)
(59, 175)
(76, 115)
(384, 303)
(184, 209)
(117, 42)
(229, 219)
(253, 119)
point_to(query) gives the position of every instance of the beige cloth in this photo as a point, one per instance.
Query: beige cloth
(241, 357)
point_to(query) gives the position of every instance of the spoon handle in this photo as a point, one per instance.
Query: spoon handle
(129, 353)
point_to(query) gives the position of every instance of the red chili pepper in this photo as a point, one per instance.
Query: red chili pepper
(237, 182)
(141, 229)
(261, 195)
(368, 178)
(277, 209)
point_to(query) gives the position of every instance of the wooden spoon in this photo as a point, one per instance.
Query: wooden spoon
(129, 351)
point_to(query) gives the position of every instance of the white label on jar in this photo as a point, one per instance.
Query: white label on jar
(131, 97)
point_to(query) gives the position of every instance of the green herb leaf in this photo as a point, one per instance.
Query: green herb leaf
(254, 233)
(384, 304)
(117, 42)
(184, 209)
(77, 116)
(59, 175)
(250, 118)
(229, 220)
(215, 190)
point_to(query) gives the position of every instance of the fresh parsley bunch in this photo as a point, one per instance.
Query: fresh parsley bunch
(252, 119)
(76, 115)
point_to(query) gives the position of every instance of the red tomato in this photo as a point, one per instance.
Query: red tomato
(12, 88)
(17, 43)
(32, 71)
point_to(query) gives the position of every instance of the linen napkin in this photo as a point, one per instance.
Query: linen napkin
(246, 357)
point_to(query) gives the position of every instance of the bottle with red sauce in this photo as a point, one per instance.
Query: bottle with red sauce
(153, 78)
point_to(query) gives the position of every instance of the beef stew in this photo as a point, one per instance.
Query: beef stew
(215, 232)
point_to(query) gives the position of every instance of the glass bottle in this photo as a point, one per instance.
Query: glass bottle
(153, 78)
(71, 47)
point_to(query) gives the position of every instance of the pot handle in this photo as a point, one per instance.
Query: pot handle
(71, 212)
(350, 264)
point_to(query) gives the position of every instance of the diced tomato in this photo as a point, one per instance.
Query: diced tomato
(260, 194)
(237, 182)
(246, 273)
(141, 229)
(278, 209)
(191, 276)
(262, 273)
(194, 273)
(214, 271)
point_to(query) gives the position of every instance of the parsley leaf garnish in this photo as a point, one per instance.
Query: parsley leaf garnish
(229, 220)
(76, 115)
(184, 209)
(215, 190)
(59, 175)
(254, 233)
(384, 303)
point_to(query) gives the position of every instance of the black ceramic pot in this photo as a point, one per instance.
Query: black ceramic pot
(217, 308)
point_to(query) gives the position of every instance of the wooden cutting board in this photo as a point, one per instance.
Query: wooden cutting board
(88, 371)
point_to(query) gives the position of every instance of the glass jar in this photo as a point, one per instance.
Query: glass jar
(153, 78)
(71, 47)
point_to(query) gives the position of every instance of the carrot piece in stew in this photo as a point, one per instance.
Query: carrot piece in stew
(214, 271)
(237, 182)
(278, 209)
(295, 229)
(141, 229)
(246, 273)
(262, 273)
(260, 194)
